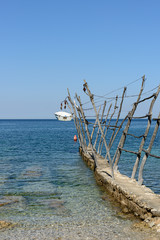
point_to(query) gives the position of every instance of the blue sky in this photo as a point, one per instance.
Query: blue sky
(49, 46)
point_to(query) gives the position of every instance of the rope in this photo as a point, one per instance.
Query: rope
(119, 88)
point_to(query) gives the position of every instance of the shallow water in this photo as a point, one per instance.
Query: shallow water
(47, 191)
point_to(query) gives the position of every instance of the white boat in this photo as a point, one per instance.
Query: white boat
(63, 116)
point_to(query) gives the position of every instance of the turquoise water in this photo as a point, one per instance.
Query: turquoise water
(47, 190)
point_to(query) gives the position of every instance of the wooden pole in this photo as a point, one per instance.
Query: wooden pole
(104, 106)
(76, 122)
(90, 146)
(145, 135)
(120, 126)
(104, 128)
(99, 124)
(84, 120)
(140, 176)
(123, 137)
(83, 132)
(120, 109)
(115, 107)
(94, 126)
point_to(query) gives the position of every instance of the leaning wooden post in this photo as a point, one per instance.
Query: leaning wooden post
(90, 146)
(77, 121)
(94, 126)
(120, 126)
(120, 109)
(145, 134)
(115, 107)
(140, 176)
(123, 137)
(100, 127)
(78, 110)
(104, 106)
(84, 120)
(84, 138)
(104, 127)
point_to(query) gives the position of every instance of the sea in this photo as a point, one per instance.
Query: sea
(48, 192)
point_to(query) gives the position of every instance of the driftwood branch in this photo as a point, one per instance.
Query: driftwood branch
(115, 107)
(140, 175)
(90, 146)
(83, 132)
(106, 146)
(120, 109)
(104, 127)
(130, 115)
(104, 106)
(95, 123)
(152, 155)
(76, 121)
(129, 151)
(146, 133)
(147, 98)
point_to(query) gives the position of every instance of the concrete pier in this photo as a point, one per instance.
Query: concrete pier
(133, 198)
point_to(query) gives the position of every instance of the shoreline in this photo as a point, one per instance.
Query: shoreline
(141, 201)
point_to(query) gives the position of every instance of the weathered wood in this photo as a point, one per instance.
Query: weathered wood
(102, 124)
(104, 127)
(84, 120)
(90, 146)
(83, 132)
(115, 107)
(77, 122)
(129, 151)
(146, 133)
(118, 131)
(155, 119)
(147, 98)
(94, 126)
(130, 115)
(152, 155)
(106, 146)
(120, 109)
(81, 122)
(145, 116)
(140, 175)
(104, 106)
(134, 135)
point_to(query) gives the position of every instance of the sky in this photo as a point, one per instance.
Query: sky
(47, 46)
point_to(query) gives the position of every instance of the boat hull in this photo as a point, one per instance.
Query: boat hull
(63, 116)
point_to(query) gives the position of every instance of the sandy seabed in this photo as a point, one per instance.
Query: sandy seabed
(75, 231)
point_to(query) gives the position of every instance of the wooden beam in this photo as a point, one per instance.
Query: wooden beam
(104, 127)
(104, 106)
(115, 107)
(146, 133)
(76, 122)
(106, 146)
(123, 137)
(140, 175)
(94, 126)
(90, 146)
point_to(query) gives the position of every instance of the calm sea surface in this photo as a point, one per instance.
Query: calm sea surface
(49, 193)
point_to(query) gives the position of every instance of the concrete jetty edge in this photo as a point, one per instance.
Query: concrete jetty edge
(133, 198)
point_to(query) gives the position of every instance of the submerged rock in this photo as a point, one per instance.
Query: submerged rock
(4, 224)
(7, 200)
(53, 203)
(32, 173)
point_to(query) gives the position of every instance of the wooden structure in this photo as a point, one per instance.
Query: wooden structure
(120, 129)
